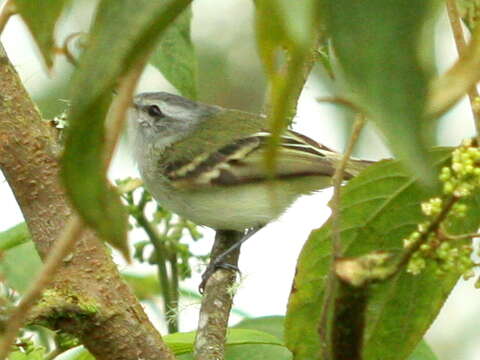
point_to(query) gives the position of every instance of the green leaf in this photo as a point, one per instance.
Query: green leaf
(422, 352)
(377, 42)
(108, 56)
(182, 343)
(41, 19)
(378, 209)
(235, 352)
(284, 24)
(14, 236)
(272, 325)
(175, 56)
(257, 352)
(37, 354)
(18, 265)
(250, 352)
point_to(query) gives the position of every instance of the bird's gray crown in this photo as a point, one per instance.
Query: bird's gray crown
(165, 98)
(160, 118)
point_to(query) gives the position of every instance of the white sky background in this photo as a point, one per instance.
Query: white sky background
(268, 260)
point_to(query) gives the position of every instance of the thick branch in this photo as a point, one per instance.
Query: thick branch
(63, 246)
(332, 280)
(29, 160)
(217, 300)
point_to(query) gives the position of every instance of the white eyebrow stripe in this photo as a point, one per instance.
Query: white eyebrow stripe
(299, 142)
(261, 134)
(304, 146)
(305, 149)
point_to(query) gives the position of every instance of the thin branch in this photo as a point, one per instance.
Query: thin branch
(6, 13)
(61, 249)
(65, 49)
(160, 254)
(337, 183)
(432, 228)
(373, 267)
(121, 103)
(175, 276)
(169, 291)
(217, 300)
(341, 101)
(462, 236)
(460, 43)
(456, 25)
(336, 240)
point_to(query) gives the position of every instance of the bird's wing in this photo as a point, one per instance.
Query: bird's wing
(243, 161)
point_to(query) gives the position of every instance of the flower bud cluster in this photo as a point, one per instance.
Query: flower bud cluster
(460, 179)
(463, 176)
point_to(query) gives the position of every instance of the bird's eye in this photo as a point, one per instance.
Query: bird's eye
(154, 111)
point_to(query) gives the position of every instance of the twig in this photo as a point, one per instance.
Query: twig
(61, 249)
(217, 301)
(336, 240)
(462, 236)
(120, 105)
(173, 260)
(6, 12)
(337, 183)
(160, 254)
(65, 51)
(433, 227)
(460, 43)
(373, 268)
(341, 101)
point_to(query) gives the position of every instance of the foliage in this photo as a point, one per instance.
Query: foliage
(41, 20)
(400, 310)
(175, 56)
(165, 233)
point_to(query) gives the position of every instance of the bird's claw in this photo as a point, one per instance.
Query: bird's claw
(212, 267)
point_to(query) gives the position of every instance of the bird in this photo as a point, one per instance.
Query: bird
(207, 163)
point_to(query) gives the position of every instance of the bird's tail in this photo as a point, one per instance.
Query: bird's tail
(355, 166)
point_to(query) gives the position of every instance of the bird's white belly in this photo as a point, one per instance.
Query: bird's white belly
(229, 208)
(235, 207)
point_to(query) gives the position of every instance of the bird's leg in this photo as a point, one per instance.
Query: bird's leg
(218, 262)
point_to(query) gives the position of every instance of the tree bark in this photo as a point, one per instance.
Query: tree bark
(116, 327)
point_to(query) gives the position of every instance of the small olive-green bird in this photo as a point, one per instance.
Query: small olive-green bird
(206, 163)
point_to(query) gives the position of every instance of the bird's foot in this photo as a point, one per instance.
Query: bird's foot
(211, 269)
